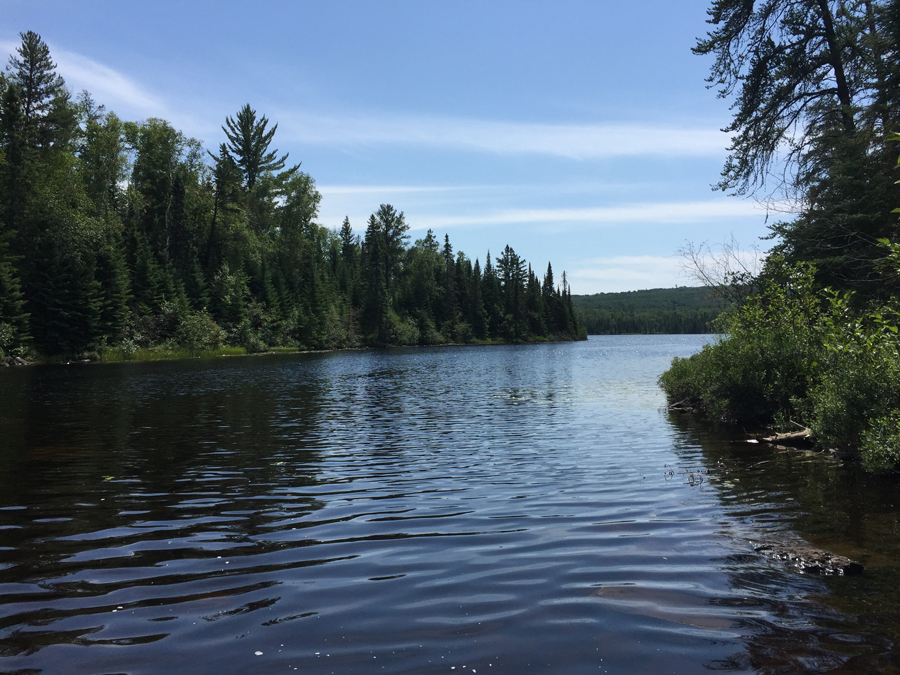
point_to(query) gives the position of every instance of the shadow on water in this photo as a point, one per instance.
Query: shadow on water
(833, 624)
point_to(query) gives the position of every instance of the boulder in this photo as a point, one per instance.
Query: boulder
(809, 560)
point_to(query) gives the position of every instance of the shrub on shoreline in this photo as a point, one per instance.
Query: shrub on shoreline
(794, 353)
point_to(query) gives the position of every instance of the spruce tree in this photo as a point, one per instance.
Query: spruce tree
(111, 274)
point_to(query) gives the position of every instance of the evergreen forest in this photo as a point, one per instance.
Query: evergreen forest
(813, 341)
(123, 239)
(682, 310)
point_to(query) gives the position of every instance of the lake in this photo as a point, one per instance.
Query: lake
(508, 509)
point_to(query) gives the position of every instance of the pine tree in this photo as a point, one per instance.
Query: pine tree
(479, 315)
(348, 266)
(490, 286)
(248, 144)
(449, 315)
(17, 169)
(376, 300)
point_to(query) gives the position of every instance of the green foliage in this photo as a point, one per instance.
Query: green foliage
(197, 331)
(880, 446)
(765, 358)
(817, 88)
(860, 380)
(794, 352)
(13, 317)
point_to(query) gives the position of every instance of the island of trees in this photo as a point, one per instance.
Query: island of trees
(815, 339)
(121, 239)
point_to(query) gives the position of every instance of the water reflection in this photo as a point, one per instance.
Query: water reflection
(512, 509)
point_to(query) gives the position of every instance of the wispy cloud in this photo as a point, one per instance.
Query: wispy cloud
(114, 89)
(105, 84)
(669, 212)
(572, 141)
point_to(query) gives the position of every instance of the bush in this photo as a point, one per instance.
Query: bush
(402, 331)
(766, 357)
(861, 381)
(428, 332)
(880, 447)
(197, 331)
(794, 353)
(7, 338)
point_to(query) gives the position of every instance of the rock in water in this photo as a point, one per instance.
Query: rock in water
(811, 560)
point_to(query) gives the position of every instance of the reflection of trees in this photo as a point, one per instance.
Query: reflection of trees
(803, 624)
(141, 465)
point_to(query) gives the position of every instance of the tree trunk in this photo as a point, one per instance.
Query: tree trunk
(843, 91)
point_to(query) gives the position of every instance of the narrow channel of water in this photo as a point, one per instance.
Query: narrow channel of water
(449, 510)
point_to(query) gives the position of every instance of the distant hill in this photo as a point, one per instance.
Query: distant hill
(686, 309)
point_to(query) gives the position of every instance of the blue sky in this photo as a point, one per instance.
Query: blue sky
(580, 133)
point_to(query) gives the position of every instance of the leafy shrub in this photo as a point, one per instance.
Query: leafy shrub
(428, 332)
(402, 331)
(765, 358)
(794, 353)
(861, 380)
(880, 447)
(197, 331)
(462, 333)
(7, 337)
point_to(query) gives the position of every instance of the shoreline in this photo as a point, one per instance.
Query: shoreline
(150, 355)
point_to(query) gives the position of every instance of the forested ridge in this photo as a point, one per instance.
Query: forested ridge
(681, 310)
(814, 339)
(118, 238)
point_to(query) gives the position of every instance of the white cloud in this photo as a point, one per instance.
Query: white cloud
(633, 272)
(572, 141)
(385, 189)
(661, 212)
(114, 89)
(619, 273)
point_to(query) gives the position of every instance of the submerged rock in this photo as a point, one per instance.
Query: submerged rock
(811, 560)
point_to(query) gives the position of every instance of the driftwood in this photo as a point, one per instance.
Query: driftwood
(683, 406)
(13, 361)
(791, 438)
(809, 560)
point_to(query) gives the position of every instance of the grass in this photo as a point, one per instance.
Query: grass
(119, 355)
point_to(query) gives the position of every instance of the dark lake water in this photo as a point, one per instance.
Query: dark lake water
(521, 509)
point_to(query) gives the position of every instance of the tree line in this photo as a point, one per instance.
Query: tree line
(668, 322)
(117, 236)
(680, 310)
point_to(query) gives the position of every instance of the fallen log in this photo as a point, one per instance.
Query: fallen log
(788, 438)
